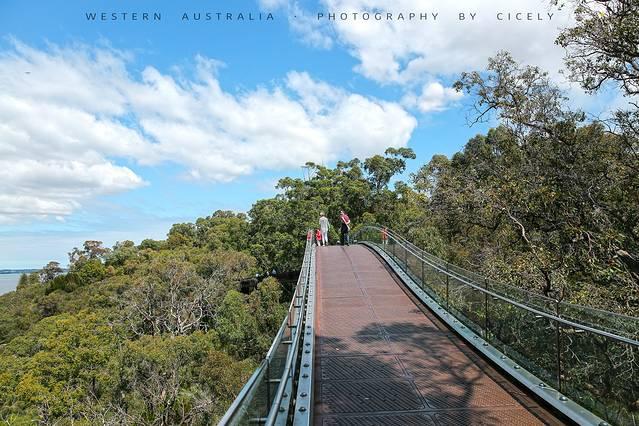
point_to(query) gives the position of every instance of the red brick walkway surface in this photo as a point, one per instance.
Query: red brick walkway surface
(381, 360)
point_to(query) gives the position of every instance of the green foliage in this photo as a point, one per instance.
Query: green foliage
(237, 326)
(67, 283)
(75, 353)
(152, 244)
(224, 230)
(246, 326)
(602, 46)
(521, 212)
(230, 264)
(50, 271)
(121, 253)
(71, 367)
(90, 271)
(18, 311)
(542, 202)
(278, 225)
(225, 376)
(266, 307)
(171, 298)
(181, 379)
(279, 233)
(91, 250)
(23, 282)
(181, 234)
(130, 336)
(50, 370)
(382, 169)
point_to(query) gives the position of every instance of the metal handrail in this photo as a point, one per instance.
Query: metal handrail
(464, 280)
(550, 300)
(587, 378)
(291, 357)
(248, 386)
(296, 313)
(531, 309)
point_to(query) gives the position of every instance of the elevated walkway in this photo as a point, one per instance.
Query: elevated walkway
(381, 359)
(384, 333)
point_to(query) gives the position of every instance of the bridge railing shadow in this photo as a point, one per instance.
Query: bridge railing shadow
(590, 356)
(439, 383)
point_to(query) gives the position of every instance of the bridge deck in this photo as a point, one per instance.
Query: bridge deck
(381, 359)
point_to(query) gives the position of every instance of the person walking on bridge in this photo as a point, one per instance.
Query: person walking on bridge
(345, 227)
(324, 225)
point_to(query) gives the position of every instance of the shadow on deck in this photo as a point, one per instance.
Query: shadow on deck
(382, 359)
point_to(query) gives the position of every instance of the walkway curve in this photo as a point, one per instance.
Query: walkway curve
(383, 359)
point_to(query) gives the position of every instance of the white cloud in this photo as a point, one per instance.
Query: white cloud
(57, 131)
(68, 116)
(406, 52)
(309, 29)
(433, 98)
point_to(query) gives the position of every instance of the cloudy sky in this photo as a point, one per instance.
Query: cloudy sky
(115, 130)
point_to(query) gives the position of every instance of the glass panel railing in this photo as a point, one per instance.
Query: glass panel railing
(262, 400)
(527, 338)
(589, 355)
(602, 374)
(258, 403)
(614, 323)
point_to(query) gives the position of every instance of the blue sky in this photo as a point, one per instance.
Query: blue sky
(208, 115)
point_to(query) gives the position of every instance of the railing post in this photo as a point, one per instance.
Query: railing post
(423, 280)
(405, 260)
(268, 386)
(447, 285)
(558, 346)
(393, 247)
(486, 310)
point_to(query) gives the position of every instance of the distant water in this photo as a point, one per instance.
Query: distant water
(8, 282)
